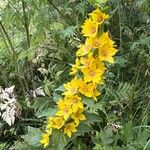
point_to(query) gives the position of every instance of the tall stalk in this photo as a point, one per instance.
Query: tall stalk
(26, 24)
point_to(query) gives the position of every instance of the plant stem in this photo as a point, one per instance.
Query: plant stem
(5, 41)
(13, 50)
(8, 38)
(31, 119)
(20, 80)
(66, 19)
(146, 145)
(26, 24)
(120, 30)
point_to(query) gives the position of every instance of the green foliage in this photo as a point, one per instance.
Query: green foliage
(35, 134)
(37, 47)
(43, 107)
(29, 143)
(58, 141)
(97, 3)
(128, 138)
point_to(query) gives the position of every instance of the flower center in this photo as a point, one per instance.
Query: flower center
(59, 123)
(87, 48)
(87, 64)
(104, 53)
(92, 73)
(75, 101)
(100, 19)
(96, 44)
(93, 30)
(73, 90)
(66, 110)
(86, 90)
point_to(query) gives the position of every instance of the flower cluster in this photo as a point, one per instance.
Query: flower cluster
(88, 72)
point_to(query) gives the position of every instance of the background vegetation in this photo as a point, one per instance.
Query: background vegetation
(38, 41)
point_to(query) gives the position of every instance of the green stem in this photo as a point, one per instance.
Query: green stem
(4, 39)
(68, 21)
(8, 38)
(26, 24)
(14, 54)
(30, 119)
(63, 16)
(148, 142)
(20, 80)
(120, 30)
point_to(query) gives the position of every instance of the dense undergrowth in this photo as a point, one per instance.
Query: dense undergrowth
(38, 44)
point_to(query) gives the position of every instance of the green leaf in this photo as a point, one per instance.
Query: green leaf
(93, 106)
(24, 146)
(88, 101)
(128, 132)
(60, 88)
(33, 137)
(43, 107)
(31, 53)
(97, 3)
(46, 89)
(46, 113)
(57, 27)
(69, 32)
(82, 129)
(91, 118)
(59, 73)
(106, 137)
(56, 97)
(58, 140)
(97, 147)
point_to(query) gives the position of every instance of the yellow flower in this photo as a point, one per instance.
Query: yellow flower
(95, 42)
(89, 66)
(89, 28)
(84, 48)
(58, 122)
(104, 38)
(75, 67)
(45, 139)
(49, 123)
(64, 110)
(95, 94)
(85, 89)
(98, 16)
(78, 116)
(70, 128)
(89, 90)
(87, 61)
(72, 87)
(49, 131)
(107, 50)
(93, 73)
(75, 102)
(106, 53)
